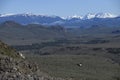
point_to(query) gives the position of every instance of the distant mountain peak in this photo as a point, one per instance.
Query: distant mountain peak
(5, 15)
(105, 15)
(89, 16)
(99, 15)
(74, 16)
(28, 15)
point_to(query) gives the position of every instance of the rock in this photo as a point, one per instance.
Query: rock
(20, 54)
(14, 66)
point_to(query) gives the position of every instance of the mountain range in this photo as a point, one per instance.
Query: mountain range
(100, 19)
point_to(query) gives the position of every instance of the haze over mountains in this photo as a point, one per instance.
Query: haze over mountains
(104, 19)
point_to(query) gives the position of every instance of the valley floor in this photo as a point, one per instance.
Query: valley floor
(78, 67)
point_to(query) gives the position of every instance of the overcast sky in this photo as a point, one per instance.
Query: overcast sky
(60, 7)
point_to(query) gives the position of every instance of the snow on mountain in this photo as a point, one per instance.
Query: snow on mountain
(75, 16)
(89, 16)
(31, 14)
(99, 15)
(105, 15)
(27, 18)
(6, 15)
(27, 15)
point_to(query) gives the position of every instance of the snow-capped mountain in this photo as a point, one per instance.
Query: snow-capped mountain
(89, 16)
(74, 17)
(99, 15)
(26, 15)
(74, 21)
(29, 18)
(105, 15)
(5, 15)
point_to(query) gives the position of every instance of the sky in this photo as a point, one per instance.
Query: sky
(60, 7)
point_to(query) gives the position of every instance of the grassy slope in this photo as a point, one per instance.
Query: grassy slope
(8, 51)
(65, 66)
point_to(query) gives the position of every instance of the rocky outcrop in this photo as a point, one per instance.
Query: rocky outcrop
(14, 67)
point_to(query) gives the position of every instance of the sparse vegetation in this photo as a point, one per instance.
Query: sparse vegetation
(113, 50)
(8, 51)
(65, 66)
(72, 54)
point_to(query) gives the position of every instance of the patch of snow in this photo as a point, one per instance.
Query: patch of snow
(105, 15)
(74, 16)
(89, 16)
(5, 15)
